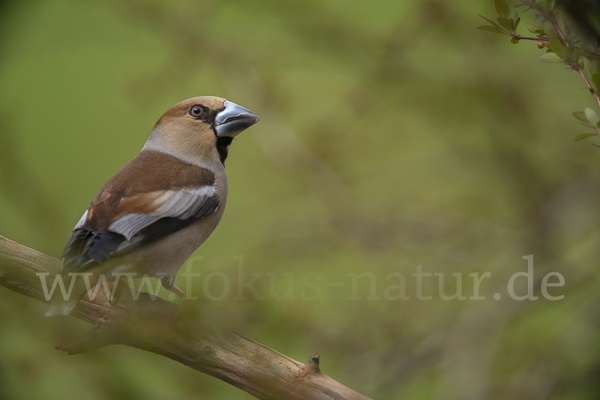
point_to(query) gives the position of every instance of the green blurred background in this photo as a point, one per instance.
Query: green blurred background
(393, 134)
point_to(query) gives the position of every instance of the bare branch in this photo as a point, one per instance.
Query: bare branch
(163, 328)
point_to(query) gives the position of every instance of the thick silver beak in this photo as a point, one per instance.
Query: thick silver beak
(233, 120)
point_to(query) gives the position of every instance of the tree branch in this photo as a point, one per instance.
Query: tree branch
(153, 324)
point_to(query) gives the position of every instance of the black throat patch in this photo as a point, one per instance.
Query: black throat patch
(223, 144)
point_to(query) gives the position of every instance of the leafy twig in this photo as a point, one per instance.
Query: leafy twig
(563, 44)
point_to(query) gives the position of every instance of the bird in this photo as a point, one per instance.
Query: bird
(161, 206)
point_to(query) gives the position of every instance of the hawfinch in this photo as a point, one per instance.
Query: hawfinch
(152, 214)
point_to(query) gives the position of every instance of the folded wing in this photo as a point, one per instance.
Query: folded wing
(127, 214)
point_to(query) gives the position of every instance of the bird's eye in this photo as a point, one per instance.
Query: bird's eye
(196, 111)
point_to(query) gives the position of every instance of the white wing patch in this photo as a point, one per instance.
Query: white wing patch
(181, 204)
(82, 220)
(130, 224)
(181, 201)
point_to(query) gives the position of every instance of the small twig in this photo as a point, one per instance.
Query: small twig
(587, 83)
(313, 363)
(537, 39)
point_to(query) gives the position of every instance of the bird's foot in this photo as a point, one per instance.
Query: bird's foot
(179, 293)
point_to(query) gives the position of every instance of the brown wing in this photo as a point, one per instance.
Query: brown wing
(135, 208)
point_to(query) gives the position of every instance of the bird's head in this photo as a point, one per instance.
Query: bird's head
(200, 129)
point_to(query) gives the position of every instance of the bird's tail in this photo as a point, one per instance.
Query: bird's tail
(68, 291)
